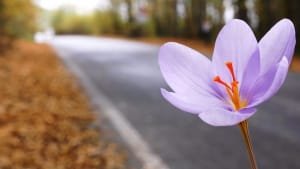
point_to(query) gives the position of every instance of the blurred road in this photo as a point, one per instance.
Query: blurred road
(128, 74)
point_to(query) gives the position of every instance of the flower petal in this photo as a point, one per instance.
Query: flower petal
(185, 70)
(236, 43)
(251, 73)
(192, 104)
(279, 41)
(268, 84)
(223, 117)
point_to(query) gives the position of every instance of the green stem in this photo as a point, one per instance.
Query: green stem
(245, 133)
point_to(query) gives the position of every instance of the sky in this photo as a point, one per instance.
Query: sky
(81, 6)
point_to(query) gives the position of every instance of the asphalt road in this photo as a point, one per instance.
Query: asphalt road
(128, 74)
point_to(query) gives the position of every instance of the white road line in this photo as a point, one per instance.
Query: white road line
(130, 135)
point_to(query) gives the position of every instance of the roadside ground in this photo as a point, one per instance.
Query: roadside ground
(45, 120)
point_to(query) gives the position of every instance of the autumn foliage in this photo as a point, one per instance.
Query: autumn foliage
(45, 121)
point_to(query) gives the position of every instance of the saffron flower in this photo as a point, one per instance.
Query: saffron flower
(242, 73)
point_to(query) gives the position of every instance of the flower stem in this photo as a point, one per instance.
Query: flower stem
(245, 133)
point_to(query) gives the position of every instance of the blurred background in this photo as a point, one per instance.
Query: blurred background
(197, 19)
(46, 119)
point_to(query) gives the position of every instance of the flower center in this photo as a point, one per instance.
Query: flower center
(232, 88)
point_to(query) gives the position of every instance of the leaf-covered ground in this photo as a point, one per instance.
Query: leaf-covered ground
(45, 121)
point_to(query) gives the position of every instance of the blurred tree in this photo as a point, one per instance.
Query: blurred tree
(17, 18)
(191, 18)
(106, 22)
(58, 20)
(129, 11)
(165, 17)
(215, 17)
(241, 11)
(155, 12)
(171, 17)
(292, 11)
(116, 25)
(195, 17)
(66, 21)
(133, 28)
(269, 12)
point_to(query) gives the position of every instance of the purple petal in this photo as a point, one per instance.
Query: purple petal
(185, 70)
(191, 103)
(236, 43)
(251, 73)
(268, 84)
(278, 42)
(223, 117)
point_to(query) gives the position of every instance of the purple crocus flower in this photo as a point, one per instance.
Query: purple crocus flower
(242, 74)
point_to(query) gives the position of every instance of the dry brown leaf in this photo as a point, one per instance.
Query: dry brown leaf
(45, 121)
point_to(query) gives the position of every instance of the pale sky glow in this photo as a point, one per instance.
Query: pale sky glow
(81, 6)
(229, 11)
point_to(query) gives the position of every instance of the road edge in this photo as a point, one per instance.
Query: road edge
(128, 133)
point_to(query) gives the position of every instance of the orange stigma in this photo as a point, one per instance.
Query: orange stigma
(232, 88)
(219, 80)
(230, 68)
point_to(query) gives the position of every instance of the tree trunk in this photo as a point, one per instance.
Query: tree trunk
(241, 10)
(195, 16)
(171, 17)
(292, 11)
(129, 11)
